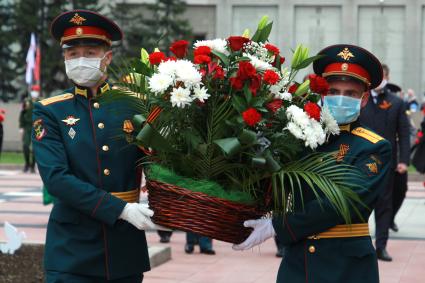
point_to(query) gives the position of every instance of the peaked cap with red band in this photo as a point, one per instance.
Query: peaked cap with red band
(349, 60)
(83, 26)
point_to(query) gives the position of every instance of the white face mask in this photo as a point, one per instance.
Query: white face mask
(84, 71)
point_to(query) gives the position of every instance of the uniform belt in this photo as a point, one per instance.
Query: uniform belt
(344, 231)
(130, 196)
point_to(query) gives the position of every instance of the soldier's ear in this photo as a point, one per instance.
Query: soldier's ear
(365, 98)
(108, 57)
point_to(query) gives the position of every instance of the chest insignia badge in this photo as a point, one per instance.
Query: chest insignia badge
(71, 133)
(343, 150)
(373, 167)
(70, 120)
(39, 129)
(128, 127)
(385, 105)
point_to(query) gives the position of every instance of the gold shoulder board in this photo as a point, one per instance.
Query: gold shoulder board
(367, 134)
(57, 98)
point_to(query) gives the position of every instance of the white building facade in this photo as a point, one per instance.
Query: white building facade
(394, 30)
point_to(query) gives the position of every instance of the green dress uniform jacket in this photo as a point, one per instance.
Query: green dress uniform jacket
(82, 159)
(328, 260)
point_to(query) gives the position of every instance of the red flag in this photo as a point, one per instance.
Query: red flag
(37, 65)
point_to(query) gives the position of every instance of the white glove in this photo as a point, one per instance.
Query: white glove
(138, 214)
(263, 230)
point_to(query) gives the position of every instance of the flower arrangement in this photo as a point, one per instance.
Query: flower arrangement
(230, 111)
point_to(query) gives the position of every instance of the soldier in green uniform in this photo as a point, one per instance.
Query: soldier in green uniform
(96, 228)
(25, 127)
(319, 246)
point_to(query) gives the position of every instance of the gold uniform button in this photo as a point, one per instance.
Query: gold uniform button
(96, 105)
(101, 125)
(105, 148)
(106, 172)
(312, 249)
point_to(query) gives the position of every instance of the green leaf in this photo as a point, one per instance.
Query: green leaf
(239, 103)
(305, 63)
(229, 146)
(223, 58)
(265, 33)
(248, 94)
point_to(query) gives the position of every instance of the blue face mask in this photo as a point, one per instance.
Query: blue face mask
(344, 109)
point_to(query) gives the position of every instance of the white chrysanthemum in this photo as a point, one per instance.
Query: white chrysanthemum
(298, 116)
(217, 44)
(314, 134)
(200, 93)
(284, 96)
(329, 122)
(180, 97)
(187, 73)
(304, 128)
(159, 83)
(168, 68)
(259, 65)
(295, 130)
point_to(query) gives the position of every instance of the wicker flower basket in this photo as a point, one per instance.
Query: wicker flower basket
(189, 211)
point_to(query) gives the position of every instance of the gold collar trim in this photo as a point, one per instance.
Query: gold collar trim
(345, 128)
(81, 91)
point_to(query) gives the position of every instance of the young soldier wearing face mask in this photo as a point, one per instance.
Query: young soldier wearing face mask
(319, 246)
(95, 231)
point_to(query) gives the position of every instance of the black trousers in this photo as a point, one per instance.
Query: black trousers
(384, 212)
(28, 156)
(399, 192)
(62, 277)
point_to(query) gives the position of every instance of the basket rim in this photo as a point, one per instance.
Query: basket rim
(201, 196)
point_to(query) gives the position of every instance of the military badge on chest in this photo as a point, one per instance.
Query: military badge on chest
(39, 130)
(343, 150)
(128, 129)
(385, 105)
(71, 121)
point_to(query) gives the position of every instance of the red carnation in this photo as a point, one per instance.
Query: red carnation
(282, 60)
(313, 110)
(202, 50)
(179, 48)
(274, 105)
(273, 49)
(246, 70)
(293, 88)
(201, 59)
(251, 116)
(236, 83)
(219, 73)
(156, 58)
(236, 42)
(318, 84)
(172, 58)
(255, 84)
(203, 72)
(271, 77)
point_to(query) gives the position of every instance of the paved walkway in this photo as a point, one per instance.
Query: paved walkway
(20, 204)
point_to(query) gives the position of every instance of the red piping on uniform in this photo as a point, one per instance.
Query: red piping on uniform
(97, 205)
(305, 262)
(106, 251)
(290, 230)
(95, 143)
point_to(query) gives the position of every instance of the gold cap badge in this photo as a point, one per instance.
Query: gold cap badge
(77, 19)
(346, 54)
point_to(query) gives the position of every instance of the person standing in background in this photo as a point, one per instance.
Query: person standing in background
(2, 117)
(25, 128)
(385, 114)
(205, 244)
